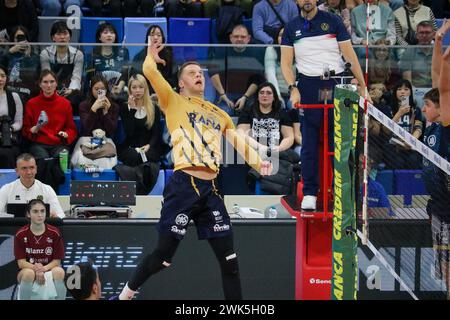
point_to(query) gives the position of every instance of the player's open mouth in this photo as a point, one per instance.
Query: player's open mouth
(199, 82)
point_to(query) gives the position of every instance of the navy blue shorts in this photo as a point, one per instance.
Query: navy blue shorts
(186, 198)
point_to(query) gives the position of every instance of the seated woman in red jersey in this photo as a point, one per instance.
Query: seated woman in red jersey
(48, 122)
(39, 249)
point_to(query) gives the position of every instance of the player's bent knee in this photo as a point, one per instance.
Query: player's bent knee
(58, 273)
(27, 275)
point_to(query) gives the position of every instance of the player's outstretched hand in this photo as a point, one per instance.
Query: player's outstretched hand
(440, 34)
(153, 50)
(266, 168)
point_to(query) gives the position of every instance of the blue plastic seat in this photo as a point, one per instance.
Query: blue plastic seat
(386, 179)
(159, 186)
(409, 183)
(105, 175)
(167, 174)
(135, 30)
(7, 176)
(89, 27)
(64, 189)
(189, 30)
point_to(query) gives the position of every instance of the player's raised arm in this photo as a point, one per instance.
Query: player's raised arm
(160, 85)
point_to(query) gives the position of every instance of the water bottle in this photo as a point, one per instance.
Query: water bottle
(236, 209)
(64, 159)
(272, 213)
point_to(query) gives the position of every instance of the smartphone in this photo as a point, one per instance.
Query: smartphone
(101, 93)
(404, 101)
(21, 38)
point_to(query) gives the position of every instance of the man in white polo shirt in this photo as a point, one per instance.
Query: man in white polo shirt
(27, 188)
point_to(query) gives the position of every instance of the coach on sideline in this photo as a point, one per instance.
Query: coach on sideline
(27, 187)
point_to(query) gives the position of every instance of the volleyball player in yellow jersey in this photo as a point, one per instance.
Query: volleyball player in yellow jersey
(196, 127)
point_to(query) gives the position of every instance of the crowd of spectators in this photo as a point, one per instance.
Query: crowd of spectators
(94, 84)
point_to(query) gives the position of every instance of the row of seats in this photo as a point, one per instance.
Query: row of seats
(402, 182)
(133, 30)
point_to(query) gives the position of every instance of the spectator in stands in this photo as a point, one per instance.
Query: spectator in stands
(269, 16)
(415, 63)
(381, 23)
(11, 117)
(23, 65)
(18, 12)
(338, 7)
(416, 12)
(98, 111)
(242, 75)
(39, 249)
(141, 121)
(55, 8)
(111, 8)
(27, 187)
(184, 9)
(65, 61)
(212, 7)
(157, 37)
(436, 137)
(229, 16)
(267, 125)
(383, 67)
(83, 282)
(110, 61)
(404, 112)
(272, 68)
(48, 121)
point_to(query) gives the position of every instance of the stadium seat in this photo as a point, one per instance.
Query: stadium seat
(135, 30)
(386, 179)
(45, 25)
(64, 189)
(89, 26)
(446, 40)
(167, 174)
(106, 175)
(119, 136)
(159, 186)
(258, 190)
(408, 183)
(77, 121)
(7, 176)
(189, 30)
(248, 24)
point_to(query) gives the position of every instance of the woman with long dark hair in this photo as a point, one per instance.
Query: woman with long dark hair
(110, 61)
(157, 37)
(267, 126)
(404, 111)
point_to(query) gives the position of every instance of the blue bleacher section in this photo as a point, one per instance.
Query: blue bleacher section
(408, 183)
(89, 26)
(159, 186)
(189, 30)
(7, 176)
(135, 30)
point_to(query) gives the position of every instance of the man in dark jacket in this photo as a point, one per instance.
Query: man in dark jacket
(19, 12)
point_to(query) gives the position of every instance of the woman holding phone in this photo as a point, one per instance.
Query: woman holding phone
(98, 111)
